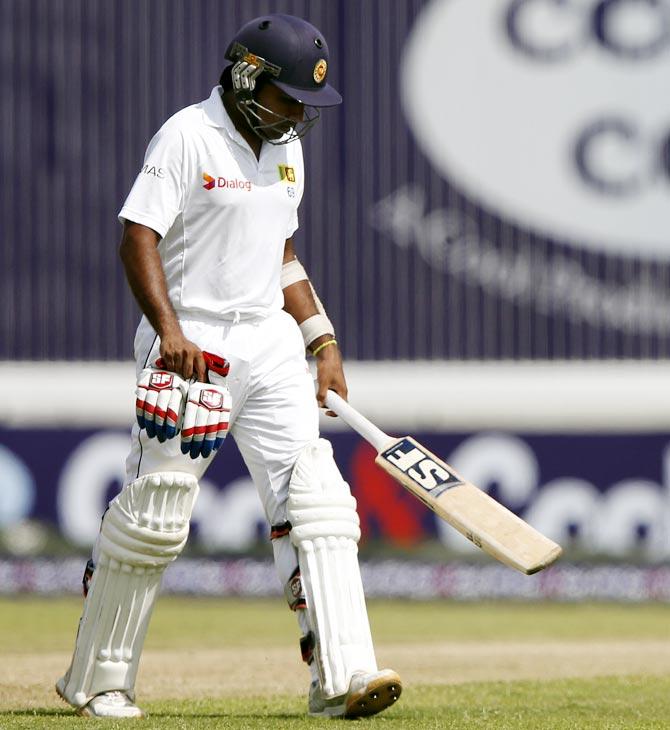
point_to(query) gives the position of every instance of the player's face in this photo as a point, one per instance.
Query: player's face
(274, 99)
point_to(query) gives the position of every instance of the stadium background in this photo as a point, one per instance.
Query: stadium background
(480, 308)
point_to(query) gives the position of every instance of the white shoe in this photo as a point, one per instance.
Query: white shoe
(369, 693)
(107, 704)
(111, 704)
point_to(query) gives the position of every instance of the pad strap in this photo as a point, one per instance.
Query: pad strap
(307, 645)
(294, 592)
(281, 530)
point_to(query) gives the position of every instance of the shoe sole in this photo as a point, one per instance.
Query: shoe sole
(375, 697)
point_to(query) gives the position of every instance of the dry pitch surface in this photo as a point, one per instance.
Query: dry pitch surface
(235, 664)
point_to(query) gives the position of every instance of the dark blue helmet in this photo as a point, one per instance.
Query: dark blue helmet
(292, 52)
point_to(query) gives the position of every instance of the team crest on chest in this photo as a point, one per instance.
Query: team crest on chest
(286, 173)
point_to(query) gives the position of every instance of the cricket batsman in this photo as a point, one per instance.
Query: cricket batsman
(228, 314)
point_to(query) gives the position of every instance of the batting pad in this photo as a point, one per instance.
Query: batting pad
(144, 529)
(325, 530)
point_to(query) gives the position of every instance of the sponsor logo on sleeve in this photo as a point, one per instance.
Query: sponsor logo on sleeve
(158, 172)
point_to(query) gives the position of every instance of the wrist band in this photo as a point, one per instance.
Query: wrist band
(314, 327)
(318, 349)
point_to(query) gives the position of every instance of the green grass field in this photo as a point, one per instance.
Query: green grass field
(235, 664)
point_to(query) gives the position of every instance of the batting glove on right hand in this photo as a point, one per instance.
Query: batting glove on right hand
(206, 419)
(159, 403)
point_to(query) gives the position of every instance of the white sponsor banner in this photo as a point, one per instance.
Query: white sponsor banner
(554, 114)
(445, 395)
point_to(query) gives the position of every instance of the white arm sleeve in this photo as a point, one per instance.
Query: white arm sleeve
(156, 197)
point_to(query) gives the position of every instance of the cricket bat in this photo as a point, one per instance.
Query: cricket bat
(485, 522)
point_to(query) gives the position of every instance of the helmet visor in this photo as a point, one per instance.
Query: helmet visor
(324, 96)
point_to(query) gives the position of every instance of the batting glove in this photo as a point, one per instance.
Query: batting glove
(206, 419)
(160, 396)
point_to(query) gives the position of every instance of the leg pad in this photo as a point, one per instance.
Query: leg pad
(325, 530)
(144, 529)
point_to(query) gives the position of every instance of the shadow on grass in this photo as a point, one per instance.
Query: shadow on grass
(165, 714)
(38, 712)
(231, 715)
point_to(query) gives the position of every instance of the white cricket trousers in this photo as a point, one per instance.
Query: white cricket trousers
(274, 413)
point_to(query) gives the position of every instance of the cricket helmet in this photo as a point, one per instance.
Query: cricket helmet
(293, 55)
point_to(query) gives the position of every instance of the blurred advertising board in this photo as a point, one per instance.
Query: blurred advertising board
(604, 495)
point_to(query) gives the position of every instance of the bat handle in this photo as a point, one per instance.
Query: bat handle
(358, 422)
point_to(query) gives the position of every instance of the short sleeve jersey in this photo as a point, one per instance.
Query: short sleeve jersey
(222, 214)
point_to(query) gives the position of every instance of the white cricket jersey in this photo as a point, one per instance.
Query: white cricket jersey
(223, 215)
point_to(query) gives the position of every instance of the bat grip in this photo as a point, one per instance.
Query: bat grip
(358, 422)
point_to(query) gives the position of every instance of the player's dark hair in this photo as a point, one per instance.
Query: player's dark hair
(226, 80)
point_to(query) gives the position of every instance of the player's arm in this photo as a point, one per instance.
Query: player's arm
(301, 302)
(144, 270)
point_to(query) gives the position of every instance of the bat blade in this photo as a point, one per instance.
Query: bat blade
(485, 522)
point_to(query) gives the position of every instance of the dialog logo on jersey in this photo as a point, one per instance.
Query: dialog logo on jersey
(224, 182)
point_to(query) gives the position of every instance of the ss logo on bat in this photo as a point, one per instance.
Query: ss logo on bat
(420, 467)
